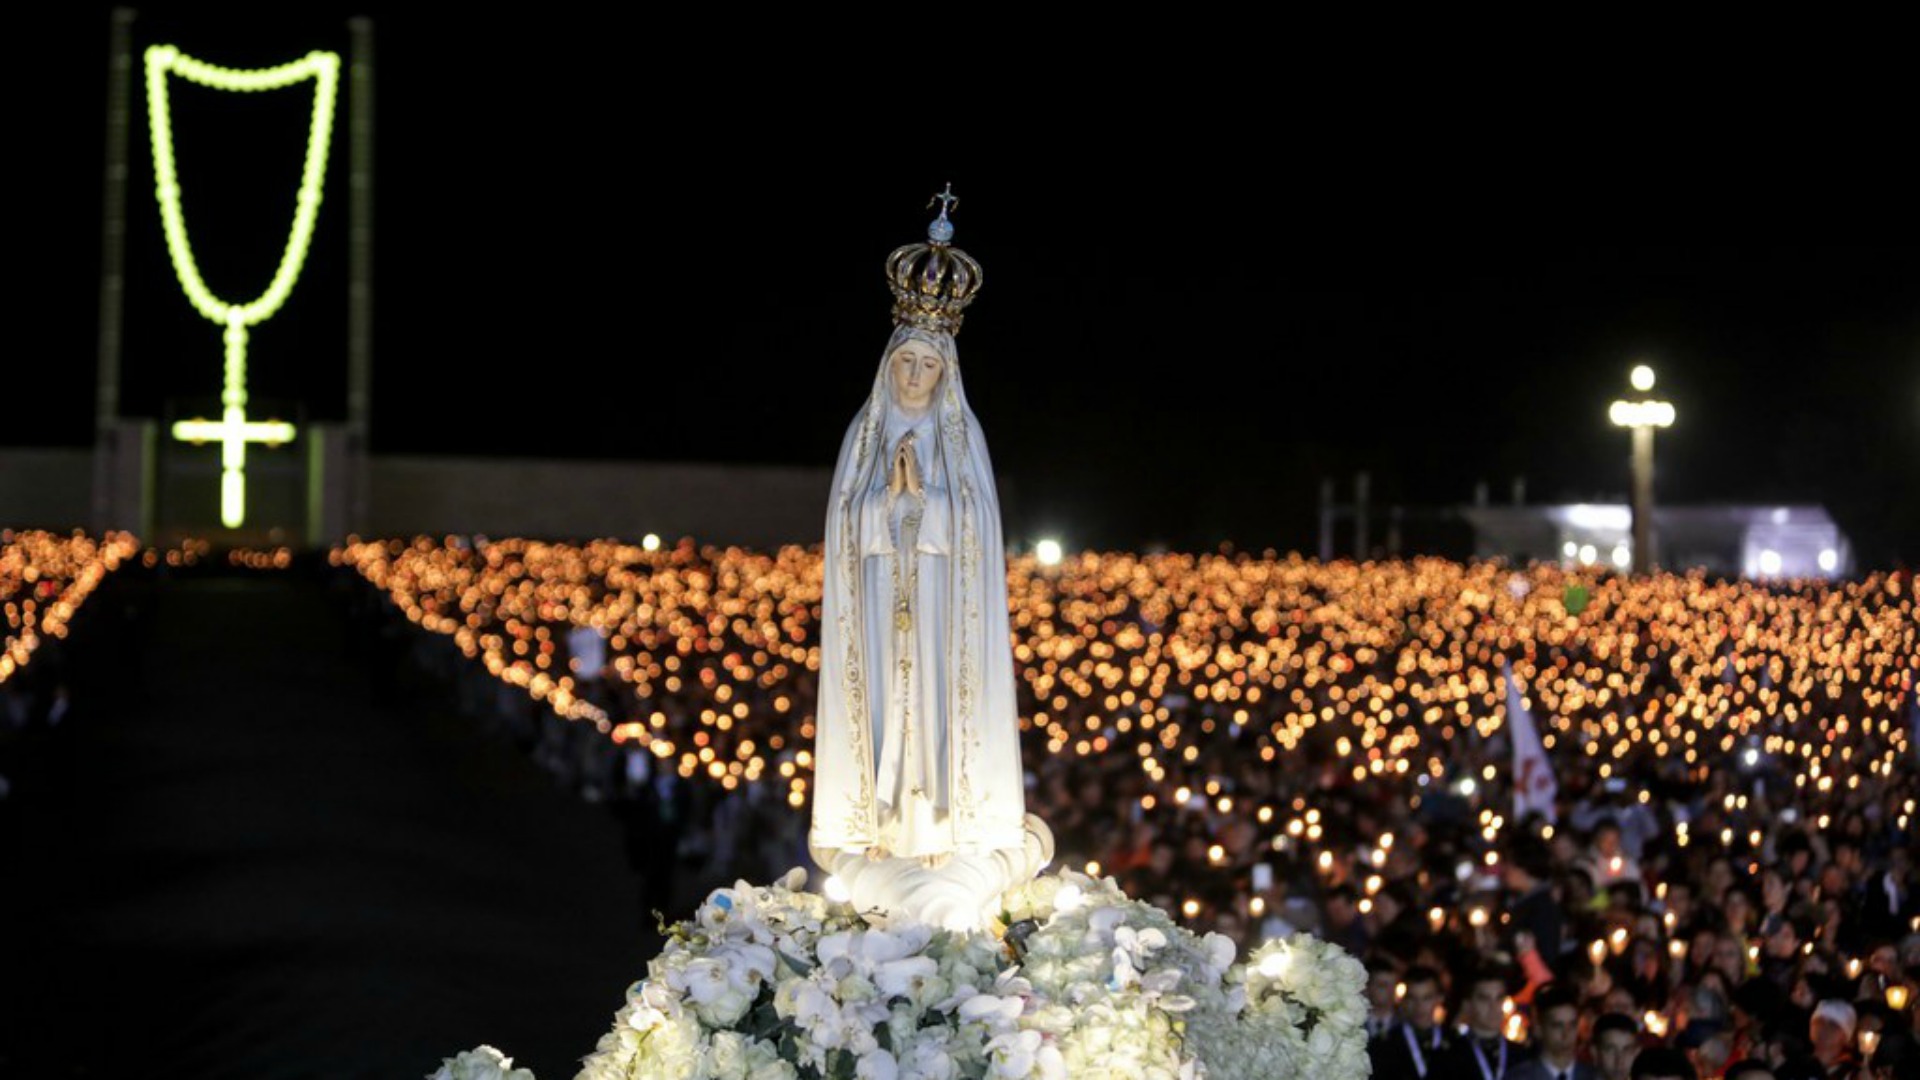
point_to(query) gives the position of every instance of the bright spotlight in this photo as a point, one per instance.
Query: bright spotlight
(1829, 561)
(1770, 563)
(650, 542)
(1642, 378)
(1048, 552)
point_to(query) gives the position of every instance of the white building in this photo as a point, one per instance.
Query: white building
(1748, 541)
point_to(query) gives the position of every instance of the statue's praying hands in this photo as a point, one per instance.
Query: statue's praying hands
(906, 469)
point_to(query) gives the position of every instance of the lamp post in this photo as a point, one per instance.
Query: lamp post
(1642, 417)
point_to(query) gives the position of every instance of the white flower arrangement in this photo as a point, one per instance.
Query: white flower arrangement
(775, 983)
(480, 1063)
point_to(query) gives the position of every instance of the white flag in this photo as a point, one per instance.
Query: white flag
(1533, 784)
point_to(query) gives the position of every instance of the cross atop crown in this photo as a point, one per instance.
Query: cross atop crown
(941, 231)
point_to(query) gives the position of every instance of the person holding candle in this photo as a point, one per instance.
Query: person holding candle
(1607, 860)
(1483, 1051)
(1533, 907)
(1383, 982)
(1831, 1030)
(1556, 1038)
(1413, 1048)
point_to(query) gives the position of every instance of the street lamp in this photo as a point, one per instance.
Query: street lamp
(1642, 417)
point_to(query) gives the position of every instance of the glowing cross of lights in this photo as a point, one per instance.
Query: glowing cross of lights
(233, 430)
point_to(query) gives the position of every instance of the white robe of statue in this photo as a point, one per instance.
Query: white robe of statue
(905, 545)
(917, 747)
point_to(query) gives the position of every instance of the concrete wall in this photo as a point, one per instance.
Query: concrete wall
(759, 506)
(756, 505)
(46, 488)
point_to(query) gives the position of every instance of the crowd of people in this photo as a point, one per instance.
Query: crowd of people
(1721, 882)
(44, 578)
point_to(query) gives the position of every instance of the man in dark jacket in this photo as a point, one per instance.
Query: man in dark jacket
(1413, 1048)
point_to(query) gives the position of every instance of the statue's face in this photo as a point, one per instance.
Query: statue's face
(916, 373)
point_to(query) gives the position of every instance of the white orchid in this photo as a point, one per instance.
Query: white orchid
(926, 1054)
(1138, 944)
(991, 1011)
(877, 1064)
(1014, 1055)
(721, 992)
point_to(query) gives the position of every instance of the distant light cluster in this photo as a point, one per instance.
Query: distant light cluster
(279, 558)
(188, 552)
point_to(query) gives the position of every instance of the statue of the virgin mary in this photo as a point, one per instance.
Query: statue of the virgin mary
(917, 747)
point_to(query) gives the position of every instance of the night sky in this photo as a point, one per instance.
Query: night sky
(598, 239)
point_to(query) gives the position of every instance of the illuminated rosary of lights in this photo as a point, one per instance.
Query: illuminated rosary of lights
(44, 578)
(234, 430)
(1167, 658)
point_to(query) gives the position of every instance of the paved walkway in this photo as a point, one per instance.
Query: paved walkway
(254, 851)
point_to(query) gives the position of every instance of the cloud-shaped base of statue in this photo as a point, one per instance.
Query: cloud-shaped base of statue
(1073, 978)
(963, 893)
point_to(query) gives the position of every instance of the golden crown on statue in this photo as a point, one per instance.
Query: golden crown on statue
(933, 282)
